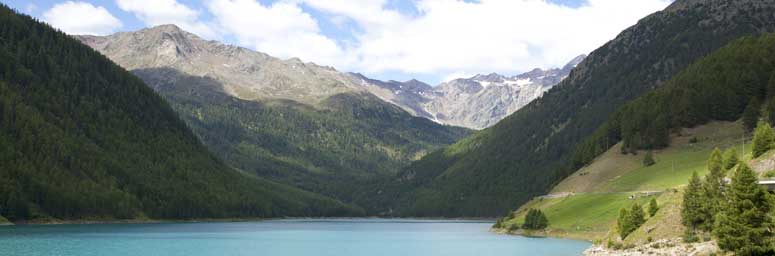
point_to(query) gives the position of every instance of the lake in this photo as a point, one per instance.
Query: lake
(335, 237)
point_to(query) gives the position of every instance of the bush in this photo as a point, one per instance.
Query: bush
(653, 207)
(690, 237)
(648, 159)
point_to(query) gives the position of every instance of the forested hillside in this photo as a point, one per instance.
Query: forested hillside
(681, 123)
(81, 138)
(734, 80)
(355, 137)
(526, 153)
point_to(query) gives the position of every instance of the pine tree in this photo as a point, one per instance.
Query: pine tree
(535, 219)
(712, 190)
(630, 220)
(751, 114)
(648, 160)
(730, 158)
(763, 139)
(653, 207)
(622, 223)
(692, 203)
(743, 225)
(637, 217)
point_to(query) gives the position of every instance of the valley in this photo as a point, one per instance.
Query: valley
(659, 141)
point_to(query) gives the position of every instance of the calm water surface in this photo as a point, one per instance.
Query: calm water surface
(280, 238)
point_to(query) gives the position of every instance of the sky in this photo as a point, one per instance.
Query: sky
(430, 40)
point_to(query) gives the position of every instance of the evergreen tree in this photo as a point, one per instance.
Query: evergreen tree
(712, 189)
(637, 217)
(763, 139)
(730, 158)
(535, 219)
(653, 207)
(751, 114)
(622, 223)
(648, 160)
(691, 206)
(630, 220)
(743, 226)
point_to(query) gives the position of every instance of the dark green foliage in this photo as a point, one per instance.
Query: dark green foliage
(730, 158)
(763, 139)
(82, 138)
(335, 149)
(531, 150)
(535, 219)
(691, 207)
(744, 224)
(751, 114)
(712, 194)
(630, 220)
(717, 87)
(653, 207)
(648, 159)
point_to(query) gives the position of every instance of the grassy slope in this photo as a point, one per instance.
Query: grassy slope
(591, 210)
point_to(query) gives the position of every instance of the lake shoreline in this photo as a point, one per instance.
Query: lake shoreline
(43, 222)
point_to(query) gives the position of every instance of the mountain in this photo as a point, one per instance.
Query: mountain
(82, 138)
(291, 122)
(526, 153)
(703, 107)
(477, 102)
(243, 73)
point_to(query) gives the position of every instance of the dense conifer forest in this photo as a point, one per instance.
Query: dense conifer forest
(81, 138)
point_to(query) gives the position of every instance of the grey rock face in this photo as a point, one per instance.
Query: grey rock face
(477, 102)
(244, 73)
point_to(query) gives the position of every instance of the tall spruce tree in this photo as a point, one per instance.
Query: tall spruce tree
(763, 139)
(691, 215)
(637, 216)
(730, 158)
(712, 189)
(751, 114)
(743, 226)
(622, 223)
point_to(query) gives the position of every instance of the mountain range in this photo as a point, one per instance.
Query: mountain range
(295, 123)
(477, 102)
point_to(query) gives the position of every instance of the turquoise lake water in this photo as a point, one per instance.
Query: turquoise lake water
(281, 238)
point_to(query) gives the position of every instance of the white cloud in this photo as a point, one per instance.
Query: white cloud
(447, 38)
(81, 18)
(282, 29)
(159, 12)
(494, 35)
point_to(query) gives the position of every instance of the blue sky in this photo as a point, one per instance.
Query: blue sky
(432, 40)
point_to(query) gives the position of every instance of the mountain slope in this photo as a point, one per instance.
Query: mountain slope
(81, 138)
(477, 102)
(323, 141)
(704, 96)
(529, 151)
